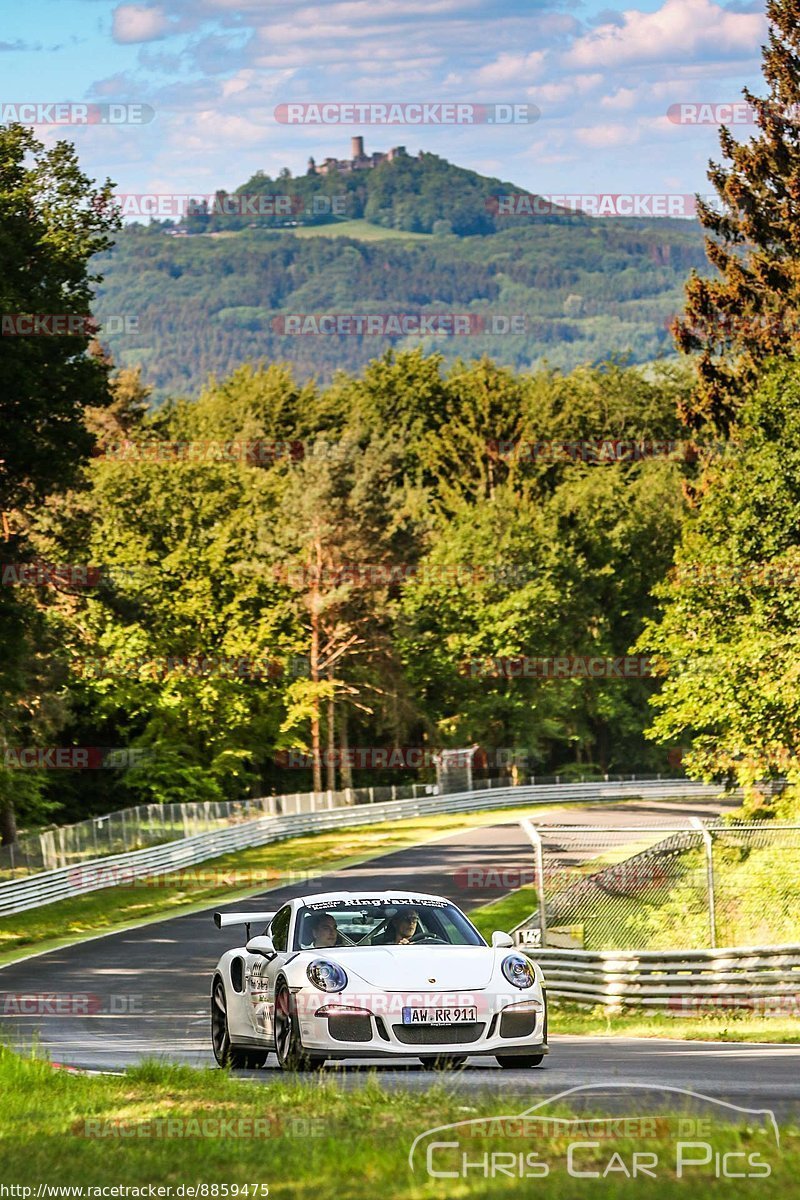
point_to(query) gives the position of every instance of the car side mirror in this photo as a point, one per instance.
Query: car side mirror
(502, 941)
(262, 944)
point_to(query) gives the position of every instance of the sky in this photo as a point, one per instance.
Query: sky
(213, 72)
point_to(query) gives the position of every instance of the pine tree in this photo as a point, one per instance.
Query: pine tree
(751, 311)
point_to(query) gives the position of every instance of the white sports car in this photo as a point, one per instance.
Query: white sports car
(366, 975)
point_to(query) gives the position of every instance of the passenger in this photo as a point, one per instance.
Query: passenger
(324, 931)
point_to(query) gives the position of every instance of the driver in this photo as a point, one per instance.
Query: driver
(324, 931)
(401, 928)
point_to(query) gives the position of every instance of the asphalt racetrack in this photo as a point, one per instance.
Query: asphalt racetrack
(149, 987)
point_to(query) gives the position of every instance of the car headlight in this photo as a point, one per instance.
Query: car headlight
(327, 976)
(518, 971)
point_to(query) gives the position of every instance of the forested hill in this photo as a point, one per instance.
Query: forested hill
(563, 288)
(414, 194)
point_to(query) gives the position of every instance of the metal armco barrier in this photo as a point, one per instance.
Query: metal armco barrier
(49, 886)
(762, 979)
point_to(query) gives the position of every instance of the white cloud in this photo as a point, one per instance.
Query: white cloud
(679, 30)
(603, 136)
(136, 23)
(513, 68)
(621, 100)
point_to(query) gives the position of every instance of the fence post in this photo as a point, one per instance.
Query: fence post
(535, 839)
(708, 843)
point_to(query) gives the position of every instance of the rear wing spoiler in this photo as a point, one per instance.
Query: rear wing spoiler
(221, 920)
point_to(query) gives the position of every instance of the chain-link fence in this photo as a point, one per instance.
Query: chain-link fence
(707, 884)
(155, 824)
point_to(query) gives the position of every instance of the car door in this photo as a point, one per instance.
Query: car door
(262, 972)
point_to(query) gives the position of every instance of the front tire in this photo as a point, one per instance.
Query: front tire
(226, 1054)
(288, 1045)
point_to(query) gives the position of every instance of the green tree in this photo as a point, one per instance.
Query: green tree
(52, 222)
(749, 309)
(727, 638)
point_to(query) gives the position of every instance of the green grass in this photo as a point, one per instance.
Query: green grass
(361, 229)
(226, 878)
(317, 1141)
(729, 1025)
(505, 913)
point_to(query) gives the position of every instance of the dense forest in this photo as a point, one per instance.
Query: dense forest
(275, 563)
(251, 588)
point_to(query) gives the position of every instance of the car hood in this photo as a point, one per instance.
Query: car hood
(419, 968)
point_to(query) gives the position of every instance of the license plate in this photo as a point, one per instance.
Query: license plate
(439, 1016)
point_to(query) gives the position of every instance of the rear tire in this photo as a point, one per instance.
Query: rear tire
(512, 1061)
(288, 1044)
(226, 1054)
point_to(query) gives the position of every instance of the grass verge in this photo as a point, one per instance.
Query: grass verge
(307, 1138)
(728, 1025)
(505, 913)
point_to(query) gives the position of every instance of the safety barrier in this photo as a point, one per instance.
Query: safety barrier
(49, 886)
(762, 979)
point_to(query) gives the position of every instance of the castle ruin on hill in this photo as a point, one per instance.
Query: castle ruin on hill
(358, 161)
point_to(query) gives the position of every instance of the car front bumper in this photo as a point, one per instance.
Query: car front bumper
(366, 1033)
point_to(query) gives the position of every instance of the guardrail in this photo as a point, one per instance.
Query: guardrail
(764, 979)
(49, 886)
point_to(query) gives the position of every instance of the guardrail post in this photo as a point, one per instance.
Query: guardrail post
(708, 844)
(534, 837)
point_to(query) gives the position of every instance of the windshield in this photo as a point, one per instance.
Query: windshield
(383, 923)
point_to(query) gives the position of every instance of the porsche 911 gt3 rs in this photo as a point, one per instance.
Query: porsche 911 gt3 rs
(373, 975)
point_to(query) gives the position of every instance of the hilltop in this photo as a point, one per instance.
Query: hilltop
(413, 235)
